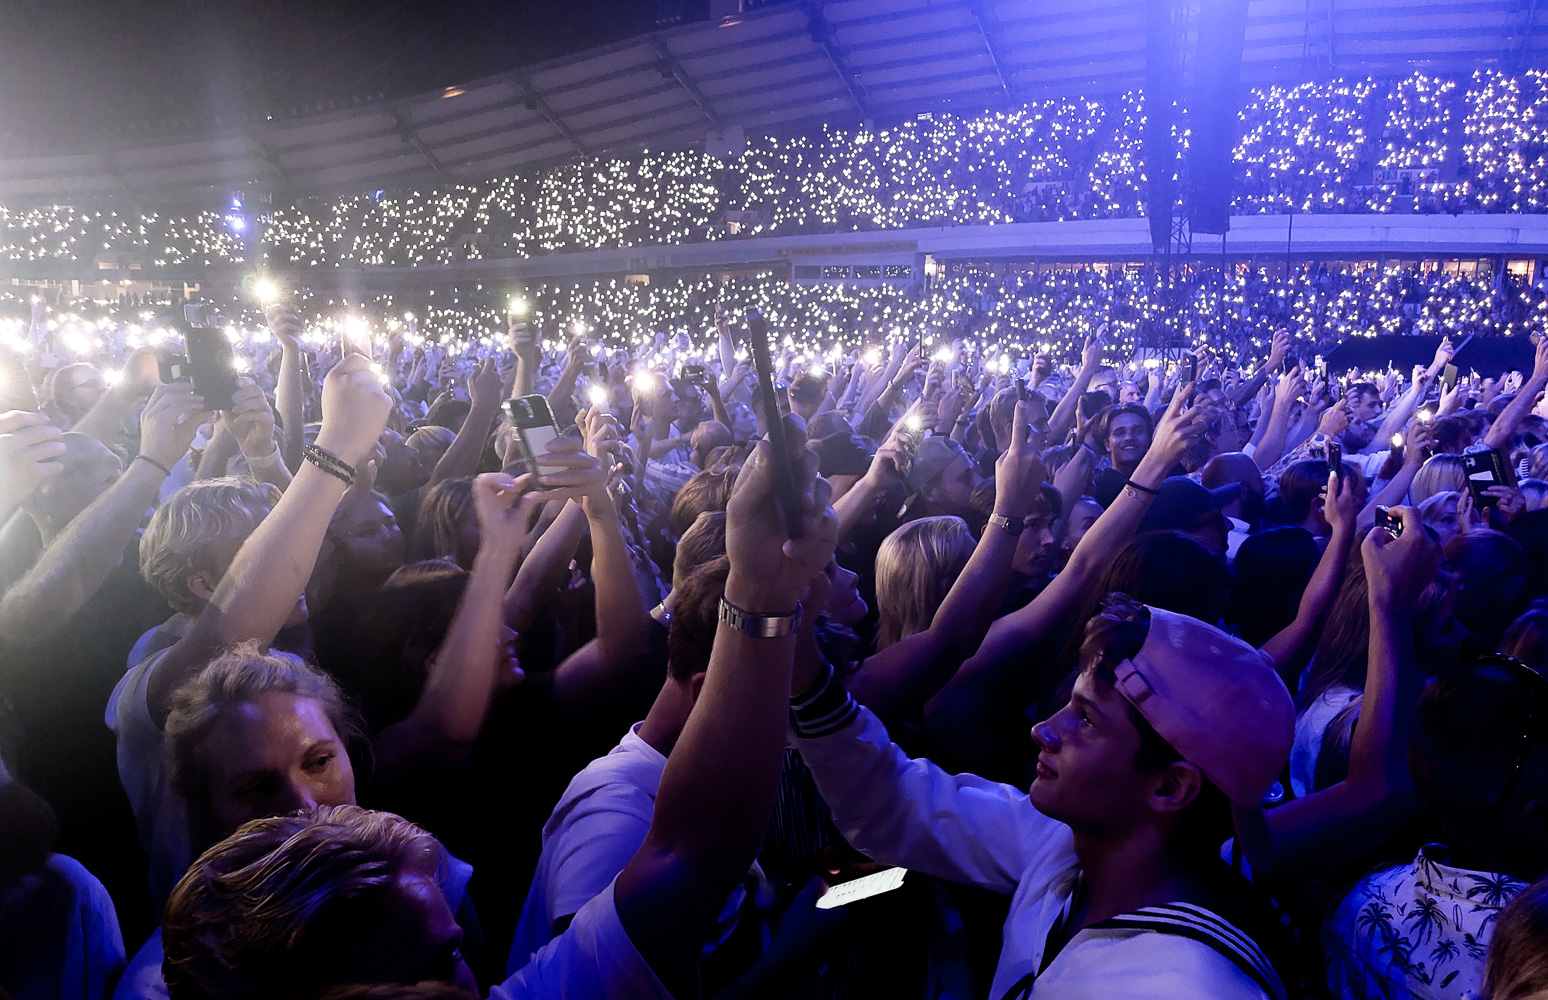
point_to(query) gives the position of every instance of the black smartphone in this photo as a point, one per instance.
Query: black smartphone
(1287, 366)
(694, 375)
(211, 366)
(1190, 370)
(174, 367)
(913, 437)
(1392, 522)
(1483, 470)
(535, 429)
(1336, 459)
(785, 489)
(1449, 377)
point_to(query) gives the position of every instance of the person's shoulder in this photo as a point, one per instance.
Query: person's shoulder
(1173, 951)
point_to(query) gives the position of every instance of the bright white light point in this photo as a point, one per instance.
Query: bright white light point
(113, 377)
(267, 290)
(597, 395)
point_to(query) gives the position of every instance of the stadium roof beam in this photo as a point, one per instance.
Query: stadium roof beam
(822, 33)
(536, 103)
(412, 138)
(989, 27)
(670, 65)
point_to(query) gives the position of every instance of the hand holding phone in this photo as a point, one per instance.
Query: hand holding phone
(211, 366)
(1390, 521)
(785, 484)
(535, 431)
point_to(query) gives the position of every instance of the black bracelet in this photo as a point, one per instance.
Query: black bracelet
(147, 458)
(1143, 489)
(329, 463)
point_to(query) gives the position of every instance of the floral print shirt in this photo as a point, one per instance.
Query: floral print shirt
(1418, 930)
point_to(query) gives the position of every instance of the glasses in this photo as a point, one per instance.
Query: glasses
(1537, 713)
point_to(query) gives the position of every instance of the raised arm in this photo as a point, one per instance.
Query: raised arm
(485, 386)
(78, 562)
(289, 387)
(30, 449)
(1278, 348)
(718, 789)
(106, 420)
(1417, 448)
(854, 507)
(1334, 826)
(955, 712)
(1065, 413)
(271, 569)
(1292, 647)
(250, 421)
(1271, 448)
(465, 670)
(902, 677)
(1515, 411)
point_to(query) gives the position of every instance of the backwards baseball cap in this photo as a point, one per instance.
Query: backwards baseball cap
(842, 454)
(1215, 699)
(935, 454)
(1180, 502)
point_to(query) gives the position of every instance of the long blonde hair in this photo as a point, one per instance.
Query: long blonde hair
(916, 566)
(1517, 967)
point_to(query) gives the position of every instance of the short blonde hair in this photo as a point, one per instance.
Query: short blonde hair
(176, 543)
(1438, 474)
(259, 914)
(915, 568)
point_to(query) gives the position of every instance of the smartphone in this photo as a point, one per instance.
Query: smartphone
(785, 489)
(1449, 377)
(535, 429)
(913, 437)
(1322, 368)
(1287, 366)
(174, 367)
(1483, 470)
(863, 887)
(211, 366)
(1190, 370)
(355, 340)
(694, 375)
(1392, 522)
(1336, 458)
(1024, 389)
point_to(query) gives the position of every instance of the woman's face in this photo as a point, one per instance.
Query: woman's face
(368, 535)
(845, 604)
(272, 756)
(1127, 439)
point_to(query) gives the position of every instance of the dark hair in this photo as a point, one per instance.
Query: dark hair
(1363, 389)
(1459, 778)
(695, 617)
(703, 492)
(1105, 421)
(1449, 429)
(1273, 568)
(401, 628)
(28, 831)
(1114, 634)
(1492, 579)
(1299, 486)
(1527, 637)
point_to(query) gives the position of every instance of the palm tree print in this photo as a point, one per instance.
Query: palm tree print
(1426, 919)
(1491, 889)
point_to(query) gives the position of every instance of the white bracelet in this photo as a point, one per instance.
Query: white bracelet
(268, 464)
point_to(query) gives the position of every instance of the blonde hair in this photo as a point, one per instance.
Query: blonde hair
(1517, 967)
(260, 914)
(176, 543)
(1438, 474)
(432, 442)
(915, 567)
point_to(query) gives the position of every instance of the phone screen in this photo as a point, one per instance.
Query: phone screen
(1449, 377)
(212, 366)
(1386, 519)
(862, 888)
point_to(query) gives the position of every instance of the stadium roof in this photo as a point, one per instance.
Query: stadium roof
(777, 67)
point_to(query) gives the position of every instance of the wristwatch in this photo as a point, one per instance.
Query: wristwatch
(759, 626)
(1013, 525)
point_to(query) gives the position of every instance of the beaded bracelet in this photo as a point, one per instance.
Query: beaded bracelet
(330, 463)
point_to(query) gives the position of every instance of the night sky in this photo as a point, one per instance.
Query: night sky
(77, 70)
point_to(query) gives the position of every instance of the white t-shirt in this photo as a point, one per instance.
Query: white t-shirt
(160, 814)
(964, 828)
(1310, 727)
(592, 959)
(600, 822)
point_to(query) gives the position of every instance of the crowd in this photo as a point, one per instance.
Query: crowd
(528, 648)
(1421, 143)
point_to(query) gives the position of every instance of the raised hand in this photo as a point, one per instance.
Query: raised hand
(1178, 430)
(485, 385)
(250, 419)
(30, 449)
(355, 408)
(1018, 473)
(1508, 500)
(1340, 505)
(770, 571)
(285, 324)
(1397, 570)
(169, 423)
(504, 506)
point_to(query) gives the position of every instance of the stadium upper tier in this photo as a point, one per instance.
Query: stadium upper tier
(1416, 144)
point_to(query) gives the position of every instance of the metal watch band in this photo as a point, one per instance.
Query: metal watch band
(759, 626)
(1013, 525)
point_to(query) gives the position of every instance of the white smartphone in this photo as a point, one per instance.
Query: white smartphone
(862, 888)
